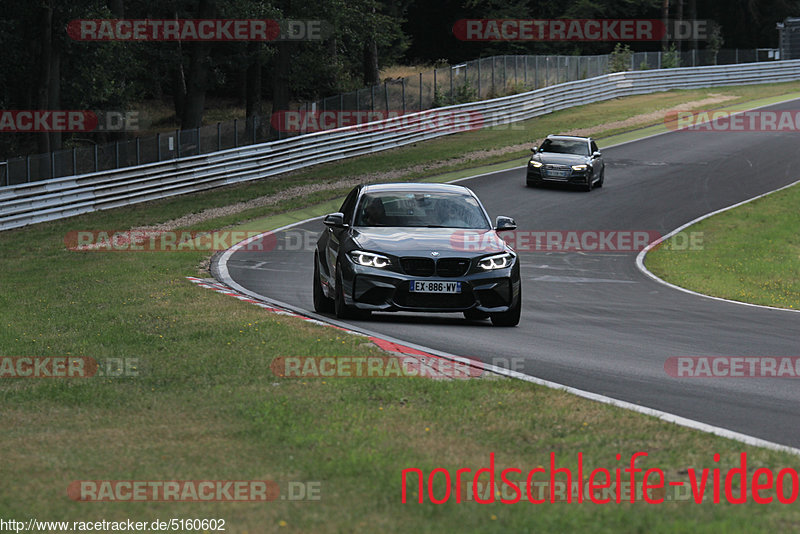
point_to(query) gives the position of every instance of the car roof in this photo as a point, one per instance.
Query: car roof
(569, 137)
(416, 187)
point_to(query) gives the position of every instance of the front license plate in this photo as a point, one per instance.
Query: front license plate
(557, 174)
(434, 286)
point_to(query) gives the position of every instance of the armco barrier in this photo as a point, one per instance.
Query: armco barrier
(36, 202)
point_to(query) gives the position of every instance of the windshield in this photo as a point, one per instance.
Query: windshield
(564, 146)
(421, 210)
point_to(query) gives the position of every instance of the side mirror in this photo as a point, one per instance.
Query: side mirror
(597, 155)
(504, 223)
(534, 149)
(335, 220)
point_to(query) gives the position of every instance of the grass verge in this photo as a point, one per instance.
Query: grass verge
(750, 253)
(205, 405)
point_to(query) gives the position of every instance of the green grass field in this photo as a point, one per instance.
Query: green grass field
(204, 404)
(750, 253)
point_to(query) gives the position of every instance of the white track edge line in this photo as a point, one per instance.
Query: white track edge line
(642, 253)
(664, 416)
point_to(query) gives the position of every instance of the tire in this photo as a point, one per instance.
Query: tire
(510, 317)
(322, 304)
(588, 185)
(475, 315)
(342, 310)
(602, 177)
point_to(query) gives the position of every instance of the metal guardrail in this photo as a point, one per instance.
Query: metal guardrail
(36, 202)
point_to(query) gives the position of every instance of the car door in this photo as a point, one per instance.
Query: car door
(598, 163)
(336, 235)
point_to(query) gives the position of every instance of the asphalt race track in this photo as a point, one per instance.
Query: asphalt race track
(592, 320)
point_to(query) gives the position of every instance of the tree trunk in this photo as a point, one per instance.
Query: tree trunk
(371, 72)
(45, 70)
(197, 77)
(280, 78)
(117, 8)
(254, 108)
(54, 96)
(679, 17)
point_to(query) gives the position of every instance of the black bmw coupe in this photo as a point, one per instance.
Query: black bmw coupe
(418, 248)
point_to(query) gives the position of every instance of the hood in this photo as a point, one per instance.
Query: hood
(561, 159)
(448, 242)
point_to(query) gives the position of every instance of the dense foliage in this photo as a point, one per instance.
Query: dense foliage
(43, 68)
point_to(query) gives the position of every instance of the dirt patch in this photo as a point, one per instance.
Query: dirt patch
(653, 117)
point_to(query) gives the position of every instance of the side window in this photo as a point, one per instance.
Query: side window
(594, 147)
(349, 205)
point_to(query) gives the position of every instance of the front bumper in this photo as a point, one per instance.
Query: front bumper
(536, 176)
(368, 288)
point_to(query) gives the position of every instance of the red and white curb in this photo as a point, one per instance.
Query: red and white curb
(430, 365)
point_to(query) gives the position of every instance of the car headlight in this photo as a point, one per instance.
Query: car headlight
(368, 259)
(498, 261)
(579, 167)
(536, 164)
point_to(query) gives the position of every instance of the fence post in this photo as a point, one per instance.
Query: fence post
(96, 161)
(28, 166)
(177, 143)
(516, 75)
(52, 164)
(403, 93)
(494, 93)
(386, 94)
(372, 98)
(434, 83)
(466, 80)
(138, 152)
(74, 161)
(420, 91)
(235, 133)
(452, 95)
(219, 137)
(479, 79)
(8, 178)
(116, 153)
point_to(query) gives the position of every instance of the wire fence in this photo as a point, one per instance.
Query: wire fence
(452, 84)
